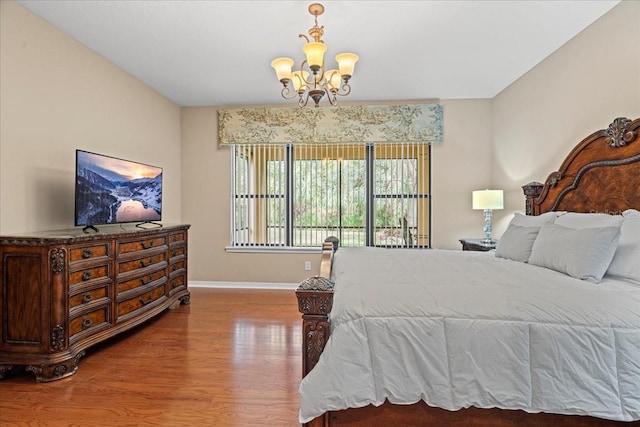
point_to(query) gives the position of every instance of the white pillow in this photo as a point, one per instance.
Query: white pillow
(581, 253)
(626, 261)
(516, 243)
(588, 220)
(534, 221)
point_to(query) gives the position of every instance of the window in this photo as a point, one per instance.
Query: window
(296, 195)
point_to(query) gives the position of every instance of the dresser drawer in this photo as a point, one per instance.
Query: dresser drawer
(177, 265)
(141, 244)
(136, 282)
(137, 264)
(179, 236)
(177, 282)
(90, 252)
(132, 306)
(177, 251)
(87, 274)
(88, 296)
(89, 322)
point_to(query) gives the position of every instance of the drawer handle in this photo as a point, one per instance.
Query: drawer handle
(86, 253)
(86, 275)
(147, 281)
(174, 267)
(147, 245)
(144, 263)
(147, 301)
(175, 284)
(86, 297)
(86, 322)
(175, 253)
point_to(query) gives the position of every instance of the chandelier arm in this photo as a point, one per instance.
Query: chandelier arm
(302, 36)
(345, 89)
(302, 102)
(304, 86)
(321, 76)
(287, 93)
(307, 83)
(331, 96)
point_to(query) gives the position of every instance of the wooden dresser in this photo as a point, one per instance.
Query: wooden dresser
(64, 291)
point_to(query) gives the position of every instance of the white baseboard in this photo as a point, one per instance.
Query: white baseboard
(241, 285)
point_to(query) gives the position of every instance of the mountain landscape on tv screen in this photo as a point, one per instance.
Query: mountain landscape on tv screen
(103, 197)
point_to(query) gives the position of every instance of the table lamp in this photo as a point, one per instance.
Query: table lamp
(487, 200)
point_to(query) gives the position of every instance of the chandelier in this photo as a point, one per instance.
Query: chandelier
(333, 83)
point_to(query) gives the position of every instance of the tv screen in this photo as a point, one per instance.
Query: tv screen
(111, 190)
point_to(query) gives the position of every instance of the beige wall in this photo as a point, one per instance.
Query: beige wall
(579, 89)
(461, 164)
(57, 96)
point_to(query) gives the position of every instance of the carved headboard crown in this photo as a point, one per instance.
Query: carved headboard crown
(600, 174)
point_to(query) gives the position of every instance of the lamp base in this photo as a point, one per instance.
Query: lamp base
(487, 227)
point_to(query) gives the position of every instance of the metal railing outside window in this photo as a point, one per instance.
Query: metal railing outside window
(295, 195)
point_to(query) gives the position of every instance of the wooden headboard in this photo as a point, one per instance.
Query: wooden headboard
(601, 174)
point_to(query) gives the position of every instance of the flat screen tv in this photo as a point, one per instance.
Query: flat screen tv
(112, 191)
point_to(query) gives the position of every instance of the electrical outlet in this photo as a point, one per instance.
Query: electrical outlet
(307, 266)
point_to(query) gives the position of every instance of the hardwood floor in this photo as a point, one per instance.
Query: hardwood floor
(230, 358)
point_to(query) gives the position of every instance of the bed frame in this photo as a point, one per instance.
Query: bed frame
(601, 174)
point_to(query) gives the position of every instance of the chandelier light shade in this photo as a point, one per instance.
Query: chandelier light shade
(347, 62)
(283, 68)
(487, 200)
(317, 82)
(315, 55)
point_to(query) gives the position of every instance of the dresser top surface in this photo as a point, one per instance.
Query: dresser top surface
(78, 235)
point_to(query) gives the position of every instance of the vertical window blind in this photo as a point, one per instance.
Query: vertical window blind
(296, 195)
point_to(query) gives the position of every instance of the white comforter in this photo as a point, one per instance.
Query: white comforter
(459, 329)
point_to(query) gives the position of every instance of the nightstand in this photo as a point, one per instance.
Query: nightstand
(477, 245)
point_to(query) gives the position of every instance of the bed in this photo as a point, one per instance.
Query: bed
(543, 332)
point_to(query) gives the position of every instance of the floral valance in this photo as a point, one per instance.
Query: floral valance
(347, 124)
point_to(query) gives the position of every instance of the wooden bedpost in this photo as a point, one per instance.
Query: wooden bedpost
(531, 191)
(315, 299)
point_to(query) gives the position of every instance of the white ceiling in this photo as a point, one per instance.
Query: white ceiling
(218, 53)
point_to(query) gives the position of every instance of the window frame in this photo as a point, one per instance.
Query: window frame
(370, 227)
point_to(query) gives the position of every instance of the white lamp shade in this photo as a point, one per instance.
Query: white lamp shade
(488, 199)
(347, 63)
(283, 68)
(315, 53)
